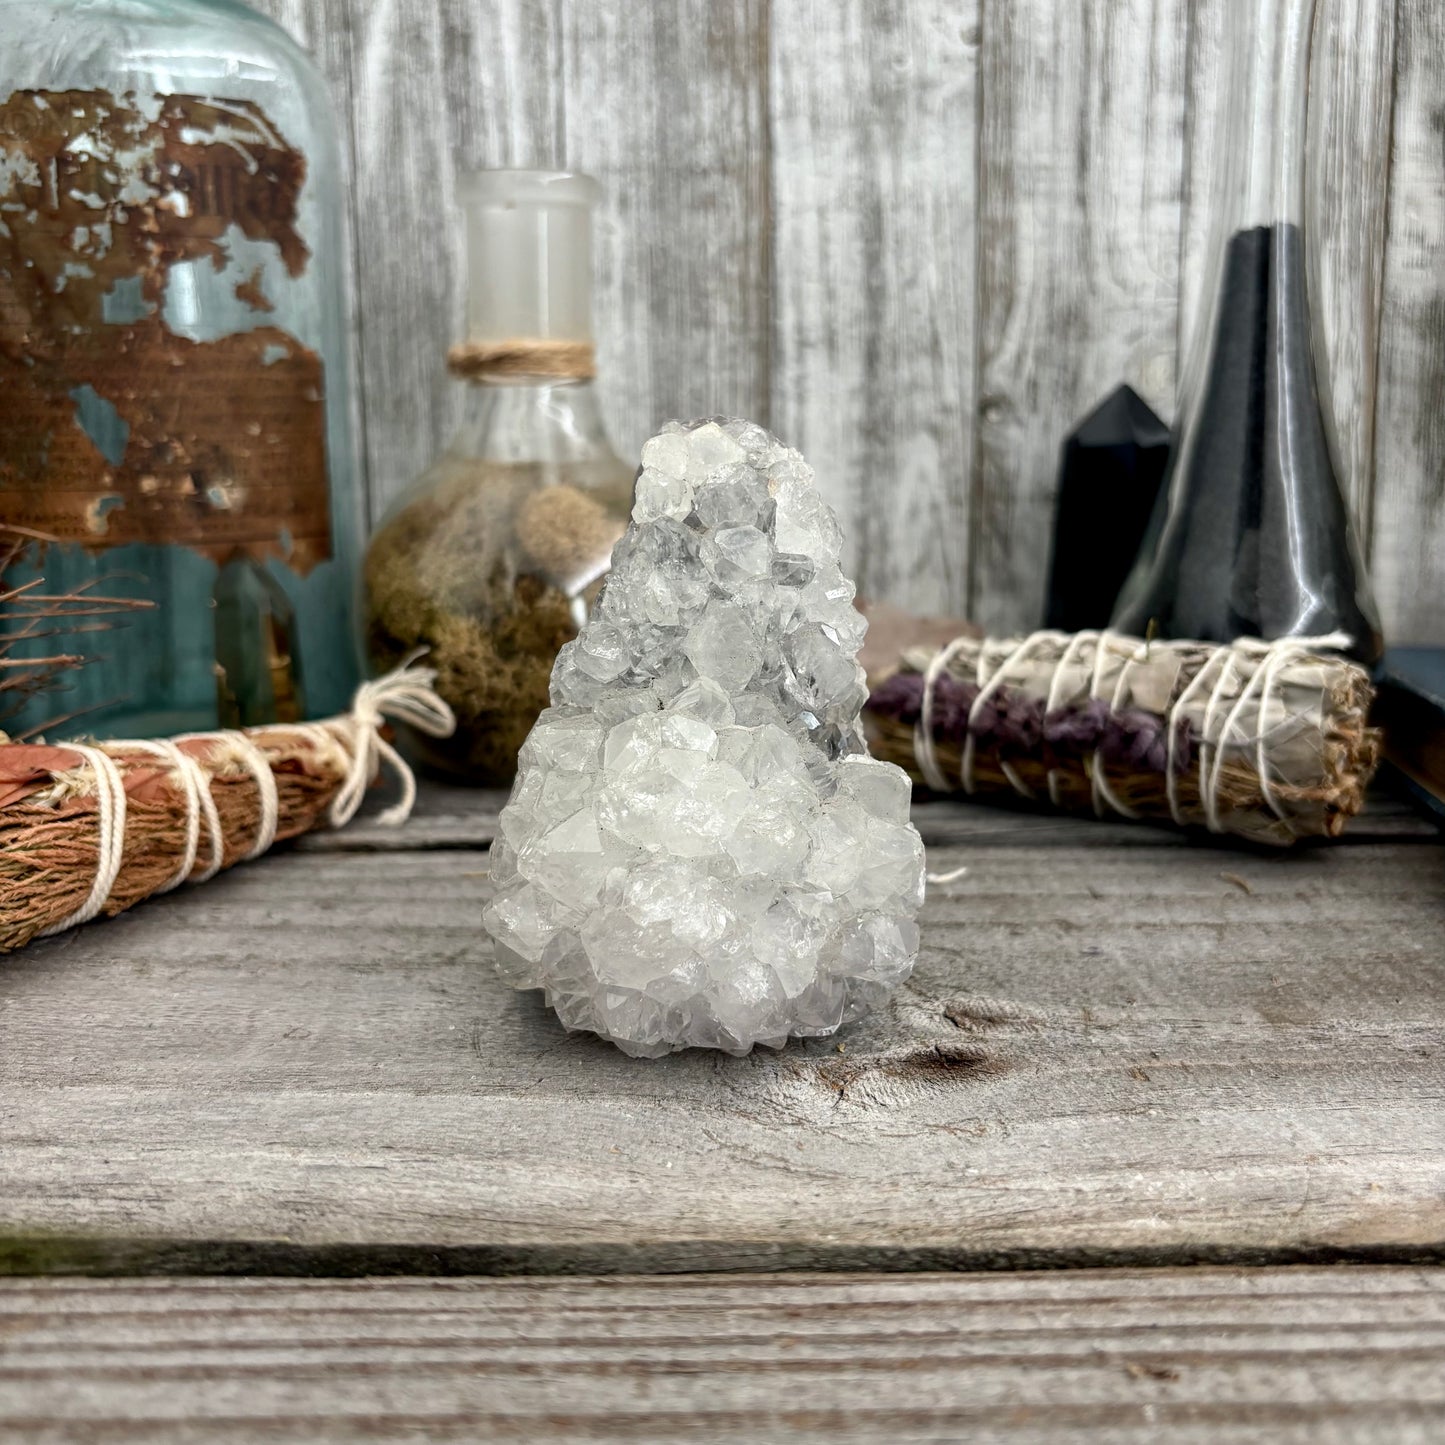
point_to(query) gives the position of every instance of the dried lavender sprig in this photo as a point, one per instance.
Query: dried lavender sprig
(1017, 724)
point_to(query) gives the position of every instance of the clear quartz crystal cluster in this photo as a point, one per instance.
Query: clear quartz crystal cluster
(698, 850)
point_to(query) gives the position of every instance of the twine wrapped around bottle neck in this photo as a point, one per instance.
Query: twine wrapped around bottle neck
(521, 357)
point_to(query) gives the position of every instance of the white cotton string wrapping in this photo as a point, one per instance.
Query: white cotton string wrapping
(406, 695)
(1272, 657)
(197, 791)
(260, 769)
(207, 809)
(1209, 741)
(110, 815)
(952, 876)
(1217, 680)
(1177, 711)
(354, 741)
(987, 686)
(923, 748)
(1103, 794)
(1052, 699)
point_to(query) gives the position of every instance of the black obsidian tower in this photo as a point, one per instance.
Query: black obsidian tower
(1253, 537)
(1109, 478)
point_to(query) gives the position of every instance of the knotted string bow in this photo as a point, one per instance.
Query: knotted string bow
(406, 695)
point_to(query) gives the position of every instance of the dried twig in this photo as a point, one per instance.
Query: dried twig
(24, 607)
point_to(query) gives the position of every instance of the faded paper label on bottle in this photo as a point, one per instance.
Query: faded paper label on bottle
(114, 427)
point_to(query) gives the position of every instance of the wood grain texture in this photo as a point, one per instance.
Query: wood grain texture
(681, 241)
(1081, 141)
(1352, 96)
(1409, 505)
(873, 111)
(448, 816)
(919, 240)
(1296, 1355)
(1346, 203)
(666, 105)
(1107, 1053)
(1204, 122)
(408, 264)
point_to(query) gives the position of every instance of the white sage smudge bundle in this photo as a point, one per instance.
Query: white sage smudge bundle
(1261, 740)
(90, 829)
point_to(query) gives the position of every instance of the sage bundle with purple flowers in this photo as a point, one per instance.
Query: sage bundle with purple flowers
(1261, 740)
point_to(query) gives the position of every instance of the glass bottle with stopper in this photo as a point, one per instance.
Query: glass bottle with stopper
(1252, 536)
(490, 559)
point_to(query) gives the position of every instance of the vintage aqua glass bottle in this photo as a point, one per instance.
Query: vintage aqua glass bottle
(176, 426)
(1253, 536)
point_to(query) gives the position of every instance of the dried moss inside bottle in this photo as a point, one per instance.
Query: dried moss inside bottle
(493, 555)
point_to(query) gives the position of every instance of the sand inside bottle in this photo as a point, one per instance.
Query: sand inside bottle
(490, 567)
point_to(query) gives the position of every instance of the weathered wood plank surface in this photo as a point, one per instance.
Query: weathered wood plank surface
(919, 239)
(1080, 144)
(1347, 199)
(1294, 1355)
(1108, 1052)
(663, 104)
(1409, 508)
(447, 816)
(666, 104)
(874, 308)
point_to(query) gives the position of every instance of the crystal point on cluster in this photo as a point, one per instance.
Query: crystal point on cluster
(698, 850)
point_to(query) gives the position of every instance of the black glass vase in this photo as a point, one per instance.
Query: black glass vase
(1253, 536)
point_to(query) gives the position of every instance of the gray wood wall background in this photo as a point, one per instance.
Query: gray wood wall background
(917, 239)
